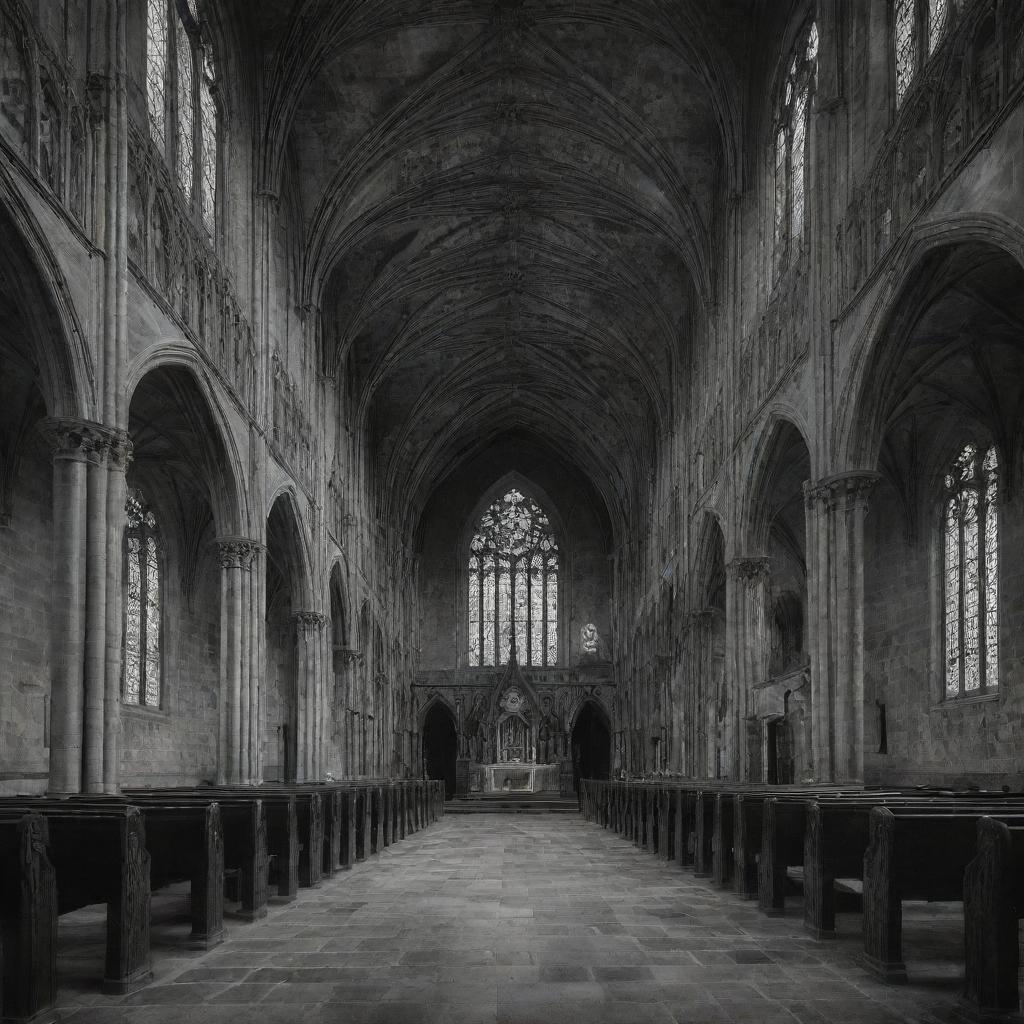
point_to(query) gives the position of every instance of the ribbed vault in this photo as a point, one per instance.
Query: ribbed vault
(507, 210)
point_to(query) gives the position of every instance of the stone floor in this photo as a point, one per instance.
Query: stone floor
(517, 919)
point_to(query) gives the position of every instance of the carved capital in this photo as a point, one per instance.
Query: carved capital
(86, 441)
(348, 655)
(841, 490)
(307, 623)
(237, 552)
(750, 567)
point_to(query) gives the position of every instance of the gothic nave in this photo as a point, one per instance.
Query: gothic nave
(496, 486)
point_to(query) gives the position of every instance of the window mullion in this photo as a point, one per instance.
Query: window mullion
(143, 614)
(962, 595)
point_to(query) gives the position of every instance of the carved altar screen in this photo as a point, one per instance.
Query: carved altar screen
(513, 585)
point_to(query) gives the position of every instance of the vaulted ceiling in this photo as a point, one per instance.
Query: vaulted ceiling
(508, 209)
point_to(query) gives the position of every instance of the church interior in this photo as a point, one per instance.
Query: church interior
(509, 510)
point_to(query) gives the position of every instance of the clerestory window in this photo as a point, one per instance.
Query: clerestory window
(971, 572)
(917, 28)
(180, 98)
(513, 585)
(142, 606)
(790, 157)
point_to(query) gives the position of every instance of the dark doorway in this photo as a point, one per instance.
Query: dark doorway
(591, 745)
(440, 747)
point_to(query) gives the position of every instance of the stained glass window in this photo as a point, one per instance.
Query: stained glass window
(183, 118)
(156, 69)
(208, 140)
(790, 158)
(905, 44)
(938, 13)
(971, 573)
(142, 634)
(513, 585)
(186, 112)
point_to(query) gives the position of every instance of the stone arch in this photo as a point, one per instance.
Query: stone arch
(590, 742)
(215, 441)
(58, 350)
(298, 544)
(861, 406)
(782, 439)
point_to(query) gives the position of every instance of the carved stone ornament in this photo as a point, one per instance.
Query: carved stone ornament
(512, 700)
(590, 640)
(841, 490)
(237, 552)
(85, 441)
(309, 622)
(750, 568)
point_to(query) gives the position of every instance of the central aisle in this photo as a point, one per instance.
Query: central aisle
(514, 919)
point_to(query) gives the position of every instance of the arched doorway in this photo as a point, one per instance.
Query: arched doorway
(591, 745)
(440, 747)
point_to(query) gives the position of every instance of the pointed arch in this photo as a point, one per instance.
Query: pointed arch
(284, 504)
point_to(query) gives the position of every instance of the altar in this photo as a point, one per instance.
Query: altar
(520, 778)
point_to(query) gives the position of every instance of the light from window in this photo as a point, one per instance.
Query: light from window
(156, 69)
(938, 13)
(208, 156)
(142, 606)
(905, 40)
(791, 170)
(186, 111)
(513, 585)
(971, 580)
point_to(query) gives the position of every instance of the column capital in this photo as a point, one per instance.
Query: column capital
(750, 567)
(87, 441)
(237, 552)
(309, 622)
(841, 490)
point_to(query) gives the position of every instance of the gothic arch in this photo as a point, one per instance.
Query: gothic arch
(226, 477)
(66, 370)
(433, 701)
(863, 403)
(781, 433)
(298, 543)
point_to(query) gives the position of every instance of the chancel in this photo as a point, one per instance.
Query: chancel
(511, 510)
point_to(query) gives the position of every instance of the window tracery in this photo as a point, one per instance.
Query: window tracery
(917, 27)
(180, 98)
(791, 165)
(513, 585)
(142, 632)
(971, 572)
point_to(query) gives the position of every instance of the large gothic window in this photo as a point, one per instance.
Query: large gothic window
(790, 156)
(917, 28)
(142, 606)
(513, 585)
(180, 87)
(971, 573)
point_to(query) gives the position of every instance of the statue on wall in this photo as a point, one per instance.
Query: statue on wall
(547, 734)
(590, 640)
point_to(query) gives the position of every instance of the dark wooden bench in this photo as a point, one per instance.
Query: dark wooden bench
(912, 856)
(28, 920)
(993, 906)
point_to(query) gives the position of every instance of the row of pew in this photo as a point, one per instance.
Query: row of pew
(883, 846)
(251, 846)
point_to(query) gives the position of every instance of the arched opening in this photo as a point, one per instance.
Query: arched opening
(284, 599)
(946, 378)
(339, 756)
(778, 715)
(440, 746)
(591, 745)
(177, 480)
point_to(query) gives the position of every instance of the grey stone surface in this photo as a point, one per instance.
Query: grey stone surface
(512, 919)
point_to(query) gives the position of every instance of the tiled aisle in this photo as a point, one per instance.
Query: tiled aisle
(492, 918)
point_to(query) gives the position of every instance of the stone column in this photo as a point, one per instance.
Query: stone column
(235, 734)
(73, 449)
(697, 741)
(836, 507)
(310, 629)
(747, 624)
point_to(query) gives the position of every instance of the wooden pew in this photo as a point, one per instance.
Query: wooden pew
(28, 920)
(993, 906)
(901, 863)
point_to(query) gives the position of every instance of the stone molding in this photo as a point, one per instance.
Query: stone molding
(841, 490)
(309, 622)
(87, 441)
(750, 567)
(237, 552)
